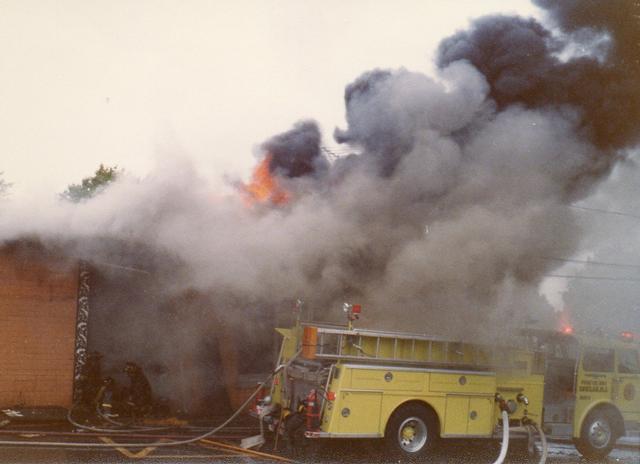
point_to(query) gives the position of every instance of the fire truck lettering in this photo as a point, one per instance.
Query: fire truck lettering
(596, 386)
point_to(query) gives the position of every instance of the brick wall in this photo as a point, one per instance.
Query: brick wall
(37, 329)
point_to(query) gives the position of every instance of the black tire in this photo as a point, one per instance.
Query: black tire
(412, 432)
(597, 436)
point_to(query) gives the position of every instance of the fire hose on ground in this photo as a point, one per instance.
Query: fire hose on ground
(156, 443)
(505, 439)
(130, 427)
(543, 442)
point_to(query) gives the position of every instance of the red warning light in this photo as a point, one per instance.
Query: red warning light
(356, 309)
(626, 335)
(567, 330)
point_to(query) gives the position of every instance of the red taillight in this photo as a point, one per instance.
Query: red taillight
(331, 396)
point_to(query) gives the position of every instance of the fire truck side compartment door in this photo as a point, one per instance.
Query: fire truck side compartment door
(388, 380)
(468, 416)
(462, 383)
(359, 412)
(480, 416)
(455, 421)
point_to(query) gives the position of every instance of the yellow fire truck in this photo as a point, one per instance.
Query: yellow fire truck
(413, 389)
(592, 388)
(408, 389)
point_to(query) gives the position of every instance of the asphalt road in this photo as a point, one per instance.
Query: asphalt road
(354, 452)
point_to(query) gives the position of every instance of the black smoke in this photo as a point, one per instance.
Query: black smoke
(376, 132)
(520, 60)
(296, 153)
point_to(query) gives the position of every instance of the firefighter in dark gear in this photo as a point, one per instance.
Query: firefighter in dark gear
(106, 397)
(139, 398)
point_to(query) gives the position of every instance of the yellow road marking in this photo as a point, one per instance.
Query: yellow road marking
(238, 452)
(247, 451)
(139, 455)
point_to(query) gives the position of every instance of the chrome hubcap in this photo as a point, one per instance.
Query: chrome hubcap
(412, 434)
(599, 433)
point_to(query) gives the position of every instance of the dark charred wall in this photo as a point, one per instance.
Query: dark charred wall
(37, 328)
(174, 337)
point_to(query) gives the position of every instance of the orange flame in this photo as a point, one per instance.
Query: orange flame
(564, 322)
(264, 187)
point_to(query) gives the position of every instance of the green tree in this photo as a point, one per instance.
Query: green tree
(91, 186)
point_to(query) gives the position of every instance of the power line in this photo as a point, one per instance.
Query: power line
(337, 152)
(596, 263)
(626, 279)
(604, 211)
(330, 153)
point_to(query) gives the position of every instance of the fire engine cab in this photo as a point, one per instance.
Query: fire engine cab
(409, 389)
(592, 388)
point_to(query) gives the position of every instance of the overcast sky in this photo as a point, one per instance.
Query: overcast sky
(130, 82)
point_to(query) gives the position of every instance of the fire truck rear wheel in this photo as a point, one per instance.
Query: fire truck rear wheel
(412, 431)
(597, 436)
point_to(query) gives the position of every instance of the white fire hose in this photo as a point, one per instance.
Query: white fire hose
(543, 442)
(209, 433)
(505, 440)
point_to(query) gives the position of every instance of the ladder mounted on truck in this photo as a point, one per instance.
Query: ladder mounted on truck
(371, 346)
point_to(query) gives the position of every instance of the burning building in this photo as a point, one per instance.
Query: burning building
(458, 187)
(56, 311)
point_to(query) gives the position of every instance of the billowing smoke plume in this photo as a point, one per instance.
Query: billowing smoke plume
(518, 58)
(442, 219)
(296, 153)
